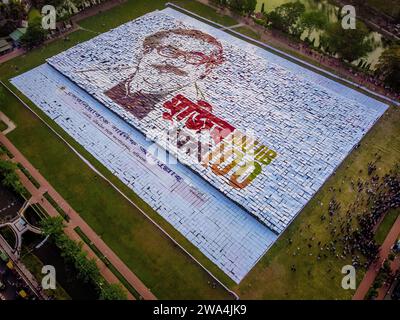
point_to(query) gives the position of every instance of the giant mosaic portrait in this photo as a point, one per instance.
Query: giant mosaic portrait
(265, 137)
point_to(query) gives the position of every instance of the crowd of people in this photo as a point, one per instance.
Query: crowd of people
(352, 233)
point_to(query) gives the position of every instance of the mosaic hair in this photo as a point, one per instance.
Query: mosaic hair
(216, 56)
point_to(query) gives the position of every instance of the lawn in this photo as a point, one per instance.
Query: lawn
(3, 126)
(8, 235)
(247, 32)
(163, 267)
(386, 225)
(132, 9)
(272, 277)
(35, 266)
(156, 260)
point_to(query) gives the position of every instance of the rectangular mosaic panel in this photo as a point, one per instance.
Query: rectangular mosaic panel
(260, 133)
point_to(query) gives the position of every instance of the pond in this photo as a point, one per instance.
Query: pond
(66, 274)
(10, 203)
(32, 217)
(9, 235)
(331, 11)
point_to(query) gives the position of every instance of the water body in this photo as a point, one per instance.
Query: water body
(66, 273)
(331, 11)
(49, 254)
(10, 203)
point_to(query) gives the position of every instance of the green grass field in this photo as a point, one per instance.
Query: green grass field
(386, 225)
(272, 277)
(163, 267)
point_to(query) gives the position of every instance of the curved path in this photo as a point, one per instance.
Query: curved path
(10, 125)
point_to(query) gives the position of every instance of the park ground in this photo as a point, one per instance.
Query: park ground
(158, 262)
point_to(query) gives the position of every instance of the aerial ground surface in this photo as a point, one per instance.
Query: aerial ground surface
(163, 267)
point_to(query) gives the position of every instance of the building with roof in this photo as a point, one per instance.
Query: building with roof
(5, 47)
(16, 35)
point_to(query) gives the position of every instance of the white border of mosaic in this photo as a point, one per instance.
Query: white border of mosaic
(312, 128)
(217, 222)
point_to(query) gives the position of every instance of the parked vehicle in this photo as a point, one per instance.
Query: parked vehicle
(2, 285)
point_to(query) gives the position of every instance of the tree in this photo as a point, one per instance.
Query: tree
(389, 67)
(87, 268)
(52, 226)
(313, 20)
(72, 253)
(113, 292)
(243, 6)
(349, 44)
(236, 5)
(69, 248)
(35, 34)
(55, 3)
(286, 17)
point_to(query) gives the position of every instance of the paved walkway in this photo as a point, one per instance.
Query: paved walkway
(233, 27)
(372, 272)
(8, 122)
(76, 221)
(11, 55)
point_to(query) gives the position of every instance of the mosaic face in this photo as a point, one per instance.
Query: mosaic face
(174, 59)
(171, 60)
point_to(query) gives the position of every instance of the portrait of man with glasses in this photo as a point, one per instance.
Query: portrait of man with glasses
(171, 60)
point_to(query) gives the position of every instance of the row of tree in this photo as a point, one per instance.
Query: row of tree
(72, 253)
(35, 34)
(9, 177)
(292, 18)
(348, 44)
(66, 7)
